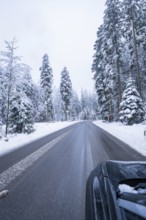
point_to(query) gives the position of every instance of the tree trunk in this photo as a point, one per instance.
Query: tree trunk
(10, 70)
(8, 109)
(65, 112)
(118, 77)
(138, 80)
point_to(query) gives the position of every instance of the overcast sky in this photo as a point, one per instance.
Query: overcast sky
(64, 29)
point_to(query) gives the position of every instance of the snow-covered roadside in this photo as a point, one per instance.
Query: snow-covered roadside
(131, 135)
(41, 129)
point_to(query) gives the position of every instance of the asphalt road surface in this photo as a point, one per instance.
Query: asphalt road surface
(46, 179)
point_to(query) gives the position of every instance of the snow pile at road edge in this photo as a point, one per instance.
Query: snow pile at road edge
(131, 135)
(41, 129)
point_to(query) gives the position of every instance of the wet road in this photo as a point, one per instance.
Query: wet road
(46, 179)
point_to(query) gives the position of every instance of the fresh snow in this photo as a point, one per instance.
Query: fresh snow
(41, 129)
(124, 188)
(133, 135)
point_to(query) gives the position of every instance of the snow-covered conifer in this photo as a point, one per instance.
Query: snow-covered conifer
(134, 24)
(46, 85)
(103, 78)
(21, 113)
(66, 91)
(113, 34)
(120, 48)
(14, 72)
(131, 106)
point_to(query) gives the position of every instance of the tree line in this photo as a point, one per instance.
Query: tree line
(22, 102)
(119, 61)
(119, 67)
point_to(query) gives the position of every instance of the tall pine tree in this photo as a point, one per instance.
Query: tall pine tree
(112, 31)
(134, 24)
(66, 91)
(102, 76)
(46, 85)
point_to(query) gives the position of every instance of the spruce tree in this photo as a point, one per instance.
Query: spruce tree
(134, 23)
(102, 76)
(66, 91)
(120, 48)
(131, 106)
(21, 113)
(112, 32)
(142, 48)
(46, 85)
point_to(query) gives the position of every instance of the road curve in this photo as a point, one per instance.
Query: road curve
(53, 186)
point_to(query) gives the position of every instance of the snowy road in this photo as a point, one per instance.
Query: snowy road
(52, 185)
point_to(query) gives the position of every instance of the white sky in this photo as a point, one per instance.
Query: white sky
(65, 30)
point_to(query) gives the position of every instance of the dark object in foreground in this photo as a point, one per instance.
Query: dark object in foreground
(116, 190)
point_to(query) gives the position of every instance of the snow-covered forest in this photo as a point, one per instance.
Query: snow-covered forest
(119, 62)
(119, 72)
(22, 102)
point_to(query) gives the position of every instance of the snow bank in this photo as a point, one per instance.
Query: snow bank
(131, 135)
(41, 129)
